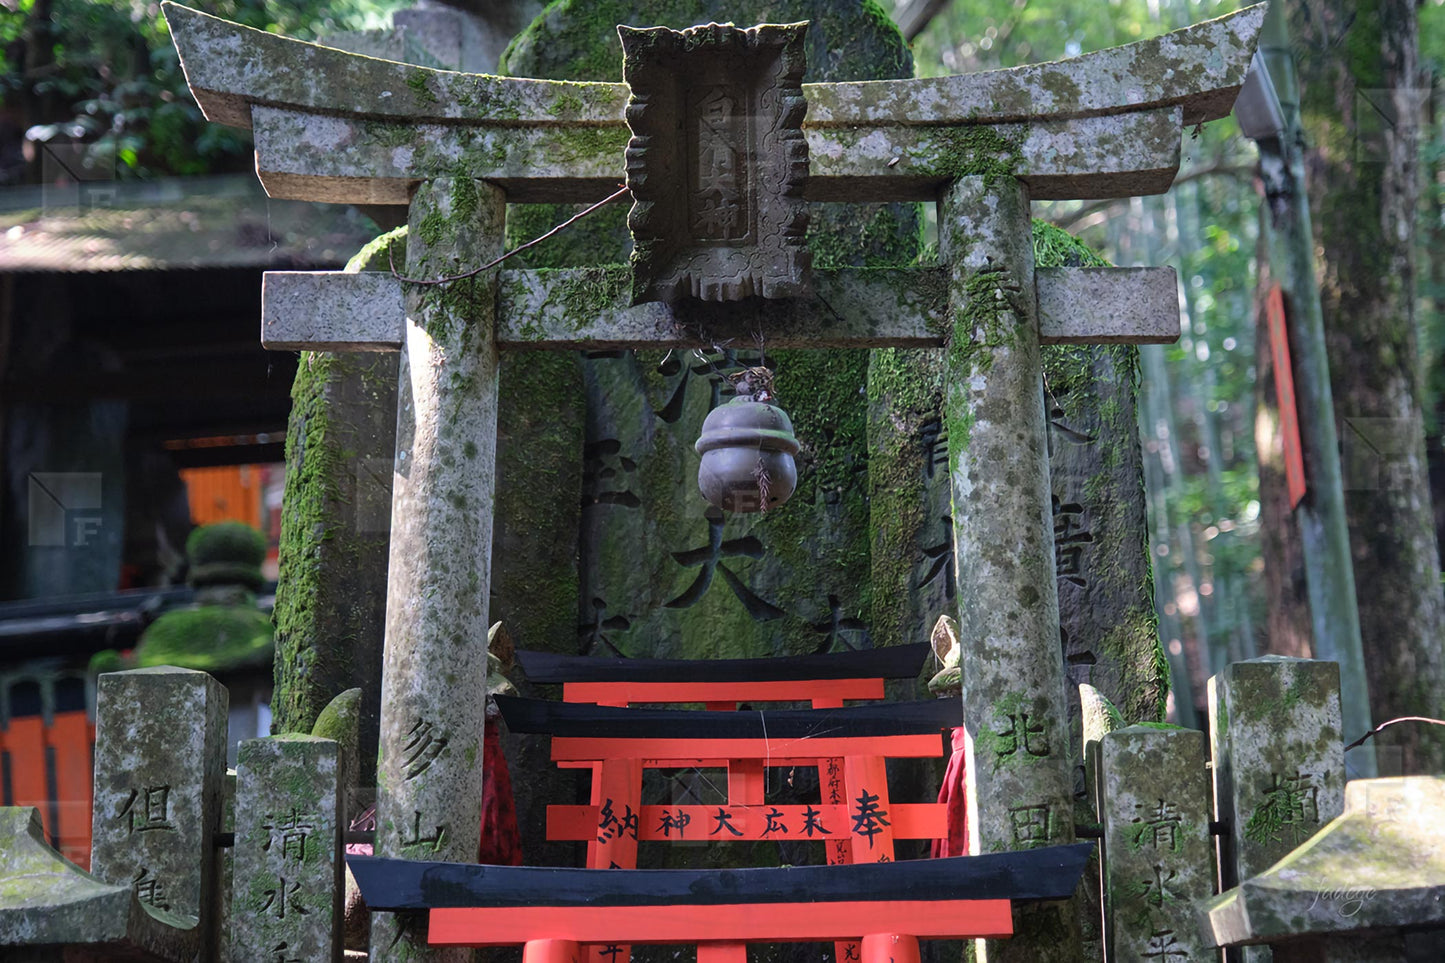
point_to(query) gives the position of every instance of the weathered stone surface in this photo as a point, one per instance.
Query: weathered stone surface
(717, 162)
(231, 67)
(368, 161)
(1108, 156)
(342, 311)
(287, 872)
(340, 722)
(1199, 68)
(1099, 717)
(1108, 305)
(429, 774)
(550, 140)
(588, 308)
(1378, 865)
(46, 900)
(1108, 627)
(306, 156)
(1020, 771)
(1107, 624)
(1158, 855)
(336, 517)
(910, 507)
(160, 750)
(1278, 760)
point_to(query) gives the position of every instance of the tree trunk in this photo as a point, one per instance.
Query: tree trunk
(1287, 619)
(1358, 68)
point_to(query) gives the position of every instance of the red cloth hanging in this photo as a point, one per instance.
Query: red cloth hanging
(501, 841)
(953, 795)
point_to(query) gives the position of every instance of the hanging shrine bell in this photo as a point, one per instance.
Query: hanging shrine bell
(747, 448)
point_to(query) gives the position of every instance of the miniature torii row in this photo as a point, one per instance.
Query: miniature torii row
(337, 127)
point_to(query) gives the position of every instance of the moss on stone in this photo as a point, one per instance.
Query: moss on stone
(339, 719)
(226, 552)
(417, 81)
(211, 638)
(846, 41)
(1087, 382)
(973, 150)
(329, 637)
(587, 292)
(539, 490)
(106, 660)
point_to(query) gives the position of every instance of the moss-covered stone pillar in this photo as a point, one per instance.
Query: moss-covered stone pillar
(286, 880)
(335, 523)
(1020, 777)
(434, 670)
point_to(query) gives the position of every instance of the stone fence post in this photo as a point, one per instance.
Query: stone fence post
(160, 761)
(1158, 855)
(1279, 766)
(287, 879)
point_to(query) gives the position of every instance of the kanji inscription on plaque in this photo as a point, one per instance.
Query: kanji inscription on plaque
(717, 162)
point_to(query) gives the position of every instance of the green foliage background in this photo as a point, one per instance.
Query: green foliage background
(104, 72)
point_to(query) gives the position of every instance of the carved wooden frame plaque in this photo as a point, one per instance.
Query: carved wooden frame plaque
(717, 162)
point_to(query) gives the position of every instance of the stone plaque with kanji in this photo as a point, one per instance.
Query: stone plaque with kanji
(717, 162)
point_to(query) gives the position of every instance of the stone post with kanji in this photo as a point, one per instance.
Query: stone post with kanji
(1279, 763)
(160, 761)
(1020, 775)
(286, 883)
(1158, 855)
(429, 771)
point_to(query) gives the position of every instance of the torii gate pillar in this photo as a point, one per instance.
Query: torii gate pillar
(1020, 783)
(441, 545)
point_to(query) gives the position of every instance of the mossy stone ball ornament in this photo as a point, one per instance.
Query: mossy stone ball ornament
(223, 631)
(226, 553)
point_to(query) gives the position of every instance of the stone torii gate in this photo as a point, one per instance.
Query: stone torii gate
(455, 147)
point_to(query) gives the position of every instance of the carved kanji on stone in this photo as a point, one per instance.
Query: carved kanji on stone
(717, 162)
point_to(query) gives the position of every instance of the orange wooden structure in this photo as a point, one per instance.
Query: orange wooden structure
(722, 931)
(557, 914)
(855, 819)
(46, 740)
(874, 909)
(1294, 464)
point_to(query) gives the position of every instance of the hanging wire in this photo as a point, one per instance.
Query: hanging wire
(390, 258)
(1385, 725)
